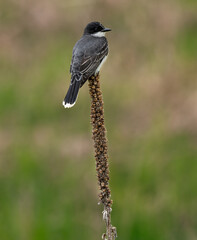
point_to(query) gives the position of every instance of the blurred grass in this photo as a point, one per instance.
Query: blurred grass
(48, 186)
(187, 43)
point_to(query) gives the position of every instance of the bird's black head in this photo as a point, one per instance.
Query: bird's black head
(95, 27)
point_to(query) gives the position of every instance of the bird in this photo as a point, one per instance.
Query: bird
(89, 54)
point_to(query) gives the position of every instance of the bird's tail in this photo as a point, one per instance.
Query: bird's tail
(73, 90)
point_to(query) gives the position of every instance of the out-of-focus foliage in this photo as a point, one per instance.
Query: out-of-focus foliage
(48, 187)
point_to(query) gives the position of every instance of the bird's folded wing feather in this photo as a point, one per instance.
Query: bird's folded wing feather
(91, 63)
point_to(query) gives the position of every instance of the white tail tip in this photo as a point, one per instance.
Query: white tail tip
(68, 105)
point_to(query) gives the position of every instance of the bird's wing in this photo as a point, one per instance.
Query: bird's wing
(90, 63)
(71, 65)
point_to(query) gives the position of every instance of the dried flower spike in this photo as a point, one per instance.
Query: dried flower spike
(101, 154)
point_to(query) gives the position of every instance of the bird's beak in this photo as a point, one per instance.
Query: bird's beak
(106, 30)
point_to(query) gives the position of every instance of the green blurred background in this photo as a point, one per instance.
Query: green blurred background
(48, 185)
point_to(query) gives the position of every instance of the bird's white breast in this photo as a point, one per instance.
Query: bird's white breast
(101, 64)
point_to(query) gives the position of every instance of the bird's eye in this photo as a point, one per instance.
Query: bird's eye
(99, 28)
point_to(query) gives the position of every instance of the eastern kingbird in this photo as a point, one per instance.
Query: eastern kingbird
(89, 54)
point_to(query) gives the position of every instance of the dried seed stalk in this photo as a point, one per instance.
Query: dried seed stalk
(101, 154)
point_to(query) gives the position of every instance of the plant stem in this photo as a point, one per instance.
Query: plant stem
(101, 154)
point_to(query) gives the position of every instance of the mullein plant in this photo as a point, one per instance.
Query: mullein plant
(101, 154)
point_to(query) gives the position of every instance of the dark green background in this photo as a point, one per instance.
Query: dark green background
(48, 185)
